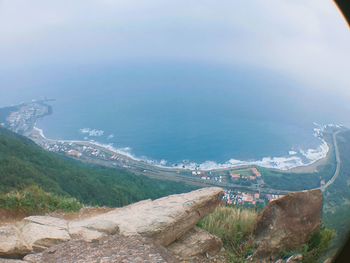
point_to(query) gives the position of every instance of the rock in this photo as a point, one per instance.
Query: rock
(92, 229)
(104, 226)
(83, 233)
(47, 221)
(288, 223)
(114, 248)
(166, 219)
(196, 242)
(11, 243)
(4, 260)
(41, 232)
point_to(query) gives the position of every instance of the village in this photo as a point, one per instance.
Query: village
(252, 199)
(23, 120)
(249, 176)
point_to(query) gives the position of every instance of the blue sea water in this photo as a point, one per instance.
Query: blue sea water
(175, 111)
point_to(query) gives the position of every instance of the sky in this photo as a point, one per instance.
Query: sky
(308, 41)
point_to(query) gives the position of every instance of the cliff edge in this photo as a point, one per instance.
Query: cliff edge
(163, 230)
(143, 231)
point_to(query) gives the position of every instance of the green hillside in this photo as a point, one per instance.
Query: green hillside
(337, 196)
(23, 163)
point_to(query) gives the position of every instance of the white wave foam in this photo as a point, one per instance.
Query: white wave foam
(295, 159)
(92, 132)
(122, 151)
(316, 154)
(111, 136)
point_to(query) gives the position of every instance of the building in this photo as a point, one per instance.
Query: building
(235, 176)
(256, 172)
(74, 153)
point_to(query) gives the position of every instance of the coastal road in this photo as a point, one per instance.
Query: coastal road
(146, 169)
(169, 175)
(163, 174)
(277, 191)
(338, 161)
(142, 168)
(282, 192)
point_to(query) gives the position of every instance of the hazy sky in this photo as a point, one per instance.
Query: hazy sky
(308, 41)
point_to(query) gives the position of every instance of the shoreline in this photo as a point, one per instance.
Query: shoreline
(296, 161)
(292, 163)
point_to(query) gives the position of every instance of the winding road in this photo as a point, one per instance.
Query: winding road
(338, 161)
(146, 169)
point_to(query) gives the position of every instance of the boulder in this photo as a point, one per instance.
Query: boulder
(116, 248)
(41, 232)
(166, 219)
(11, 243)
(195, 243)
(288, 223)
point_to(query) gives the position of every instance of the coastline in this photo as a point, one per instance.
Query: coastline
(25, 117)
(313, 167)
(205, 174)
(291, 164)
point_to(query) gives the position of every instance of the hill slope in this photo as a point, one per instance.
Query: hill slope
(23, 163)
(337, 196)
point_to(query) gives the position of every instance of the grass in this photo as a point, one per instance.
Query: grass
(234, 226)
(33, 200)
(318, 245)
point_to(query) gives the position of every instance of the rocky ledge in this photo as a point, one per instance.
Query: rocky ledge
(162, 230)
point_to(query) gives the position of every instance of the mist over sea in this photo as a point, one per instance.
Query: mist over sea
(177, 112)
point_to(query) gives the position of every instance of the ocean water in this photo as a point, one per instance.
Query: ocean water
(175, 113)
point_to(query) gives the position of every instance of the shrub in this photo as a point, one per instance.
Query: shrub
(34, 200)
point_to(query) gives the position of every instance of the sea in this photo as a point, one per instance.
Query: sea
(179, 113)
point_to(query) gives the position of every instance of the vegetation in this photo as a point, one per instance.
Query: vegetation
(318, 245)
(296, 181)
(234, 226)
(36, 181)
(23, 163)
(337, 197)
(34, 200)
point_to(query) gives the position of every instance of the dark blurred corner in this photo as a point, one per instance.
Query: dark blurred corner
(344, 6)
(344, 255)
